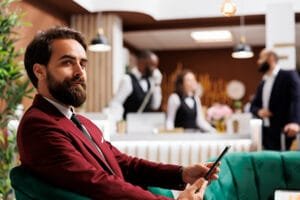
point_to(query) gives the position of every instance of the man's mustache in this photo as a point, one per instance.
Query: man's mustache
(78, 80)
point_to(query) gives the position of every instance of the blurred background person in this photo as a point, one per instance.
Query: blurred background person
(184, 108)
(140, 88)
(247, 106)
(277, 101)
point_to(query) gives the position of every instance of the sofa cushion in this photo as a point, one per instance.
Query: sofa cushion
(269, 173)
(291, 164)
(255, 175)
(28, 187)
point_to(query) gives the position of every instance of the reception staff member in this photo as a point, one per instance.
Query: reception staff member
(184, 106)
(139, 90)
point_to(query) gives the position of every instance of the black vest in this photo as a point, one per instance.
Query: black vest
(136, 98)
(186, 116)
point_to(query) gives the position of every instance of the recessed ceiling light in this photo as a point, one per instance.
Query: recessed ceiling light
(212, 36)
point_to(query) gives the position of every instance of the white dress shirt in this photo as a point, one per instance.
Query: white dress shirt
(173, 105)
(267, 90)
(66, 111)
(125, 89)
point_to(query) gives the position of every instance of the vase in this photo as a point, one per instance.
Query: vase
(220, 125)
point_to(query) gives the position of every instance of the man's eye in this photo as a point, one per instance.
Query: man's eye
(67, 62)
(83, 65)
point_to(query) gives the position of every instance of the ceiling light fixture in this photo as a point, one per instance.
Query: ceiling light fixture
(242, 50)
(99, 43)
(228, 8)
(212, 36)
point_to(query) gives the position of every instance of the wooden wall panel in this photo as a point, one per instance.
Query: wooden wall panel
(217, 63)
(99, 73)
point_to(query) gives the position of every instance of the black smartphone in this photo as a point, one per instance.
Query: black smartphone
(208, 174)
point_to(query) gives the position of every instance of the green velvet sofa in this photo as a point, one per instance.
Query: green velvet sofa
(243, 176)
(255, 176)
(28, 187)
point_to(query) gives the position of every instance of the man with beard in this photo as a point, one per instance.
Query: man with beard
(67, 150)
(139, 90)
(277, 101)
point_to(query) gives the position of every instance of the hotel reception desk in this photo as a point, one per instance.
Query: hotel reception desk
(188, 147)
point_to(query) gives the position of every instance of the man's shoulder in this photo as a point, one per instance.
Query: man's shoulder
(289, 75)
(34, 116)
(288, 72)
(127, 77)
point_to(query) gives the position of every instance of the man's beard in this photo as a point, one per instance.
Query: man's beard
(148, 72)
(72, 91)
(264, 67)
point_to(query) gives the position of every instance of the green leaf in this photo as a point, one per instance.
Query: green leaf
(13, 88)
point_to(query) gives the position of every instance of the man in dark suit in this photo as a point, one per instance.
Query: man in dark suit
(277, 101)
(68, 150)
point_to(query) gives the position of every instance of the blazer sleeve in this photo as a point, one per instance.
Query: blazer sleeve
(256, 103)
(146, 173)
(47, 151)
(295, 96)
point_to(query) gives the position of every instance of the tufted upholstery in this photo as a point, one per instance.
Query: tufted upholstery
(255, 175)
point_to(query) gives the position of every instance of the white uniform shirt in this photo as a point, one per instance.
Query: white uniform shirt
(267, 90)
(125, 89)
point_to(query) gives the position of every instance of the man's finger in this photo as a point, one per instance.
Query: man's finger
(210, 164)
(199, 186)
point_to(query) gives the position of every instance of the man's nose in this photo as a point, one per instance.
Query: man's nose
(78, 69)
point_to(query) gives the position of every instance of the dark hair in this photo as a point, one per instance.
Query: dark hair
(179, 82)
(39, 50)
(144, 54)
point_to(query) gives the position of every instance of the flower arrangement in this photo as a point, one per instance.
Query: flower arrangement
(217, 115)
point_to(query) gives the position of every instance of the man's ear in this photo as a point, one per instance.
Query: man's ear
(39, 71)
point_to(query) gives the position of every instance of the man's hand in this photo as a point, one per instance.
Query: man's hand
(291, 129)
(192, 173)
(195, 191)
(156, 76)
(263, 113)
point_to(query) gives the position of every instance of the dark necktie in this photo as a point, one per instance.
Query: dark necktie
(88, 136)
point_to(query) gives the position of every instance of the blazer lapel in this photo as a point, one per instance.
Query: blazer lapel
(100, 142)
(274, 88)
(78, 133)
(47, 107)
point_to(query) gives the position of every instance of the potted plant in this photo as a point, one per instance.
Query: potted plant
(13, 87)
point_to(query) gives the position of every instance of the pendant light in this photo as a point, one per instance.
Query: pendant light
(242, 50)
(99, 43)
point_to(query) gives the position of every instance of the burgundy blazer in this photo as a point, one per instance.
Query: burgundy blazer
(55, 150)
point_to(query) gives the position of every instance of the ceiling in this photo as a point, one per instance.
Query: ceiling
(180, 38)
(146, 31)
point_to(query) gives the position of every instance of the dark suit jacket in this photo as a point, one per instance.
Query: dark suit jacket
(53, 148)
(284, 101)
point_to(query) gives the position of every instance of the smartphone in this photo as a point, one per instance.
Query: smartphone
(208, 174)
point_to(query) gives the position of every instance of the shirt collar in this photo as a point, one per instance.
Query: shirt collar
(66, 111)
(273, 74)
(136, 73)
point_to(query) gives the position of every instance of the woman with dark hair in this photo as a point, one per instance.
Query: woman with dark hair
(184, 106)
